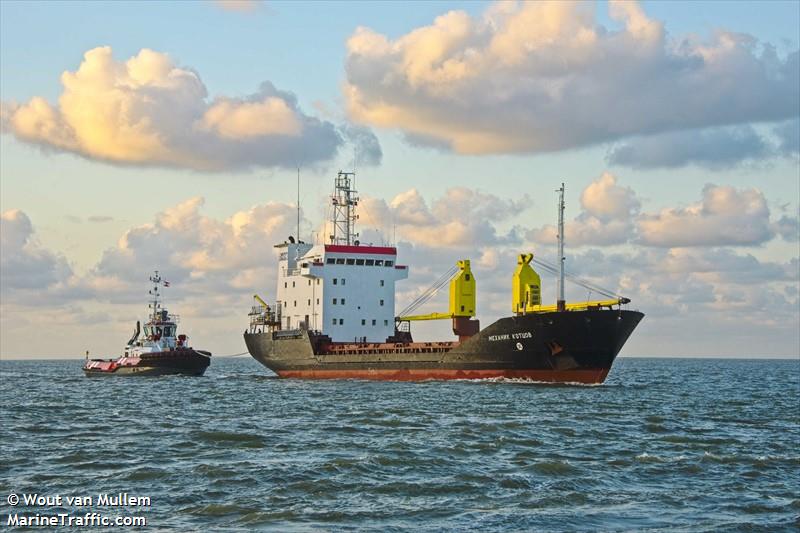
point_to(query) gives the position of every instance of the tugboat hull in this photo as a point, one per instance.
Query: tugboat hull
(187, 362)
(558, 347)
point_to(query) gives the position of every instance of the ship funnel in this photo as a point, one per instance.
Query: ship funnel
(526, 286)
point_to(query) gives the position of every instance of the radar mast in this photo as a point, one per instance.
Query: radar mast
(344, 201)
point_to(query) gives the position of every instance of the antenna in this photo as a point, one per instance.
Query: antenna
(154, 305)
(298, 204)
(560, 302)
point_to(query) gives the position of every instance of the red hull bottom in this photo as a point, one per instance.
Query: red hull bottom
(549, 376)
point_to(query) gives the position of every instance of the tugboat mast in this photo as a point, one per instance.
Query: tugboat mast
(155, 304)
(561, 302)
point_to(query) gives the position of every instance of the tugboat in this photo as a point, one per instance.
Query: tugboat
(334, 317)
(160, 352)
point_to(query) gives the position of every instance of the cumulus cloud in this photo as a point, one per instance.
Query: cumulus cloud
(24, 264)
(714, 148)
(607, 216)
(462, 217)
(192, 246)
(543, 76)
(149, 111)
(724, 216)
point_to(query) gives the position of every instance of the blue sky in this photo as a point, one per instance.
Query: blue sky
(80, 205)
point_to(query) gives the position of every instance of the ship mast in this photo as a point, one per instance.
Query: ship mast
(155, 305)
(298, 204)
(560, 302)
(344, 200)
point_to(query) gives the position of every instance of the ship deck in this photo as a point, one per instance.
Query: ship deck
(343, 348)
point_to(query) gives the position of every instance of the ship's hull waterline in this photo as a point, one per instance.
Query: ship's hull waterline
(558, 347)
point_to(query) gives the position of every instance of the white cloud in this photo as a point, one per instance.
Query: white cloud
(24, 264)
(607, 216)
(724, 216)
(461, 218)
(149, 111)
(194, 248)
(543, 76)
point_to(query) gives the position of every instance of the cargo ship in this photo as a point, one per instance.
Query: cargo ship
(334, 317)
(160, 351)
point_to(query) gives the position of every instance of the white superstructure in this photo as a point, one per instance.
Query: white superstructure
(345, 292)
(343, 289)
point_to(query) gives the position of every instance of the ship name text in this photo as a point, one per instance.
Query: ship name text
(511, 336)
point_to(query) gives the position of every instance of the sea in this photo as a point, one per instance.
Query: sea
(663, 445)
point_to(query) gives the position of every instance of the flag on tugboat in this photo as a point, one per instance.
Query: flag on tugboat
(166, 283)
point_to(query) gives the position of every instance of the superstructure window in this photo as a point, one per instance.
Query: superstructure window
(295, 303)
(293, 284)
(334, 321)
(335, 281)
(334, 301)
(385, 322)
(351, 261)
(381, 283)
(379, 262)
(317, 301)
(359, 262)
(309, 301)
(374, 321)
(363, 321)
(388, 263)
(330, 260)
(381, 302)
(309, 283)
(343, 280)
(342, 301)
(370, 262)
(341, 321)
(340, 260)
(285, 285)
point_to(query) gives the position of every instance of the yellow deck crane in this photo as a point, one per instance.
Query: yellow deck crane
(526, 291)
(263, 317)
(462, 301)
(262, 302)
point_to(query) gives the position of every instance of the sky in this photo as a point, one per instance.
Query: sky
(167, 135)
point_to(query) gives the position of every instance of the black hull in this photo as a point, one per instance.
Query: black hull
(570, 346)
(186, 362)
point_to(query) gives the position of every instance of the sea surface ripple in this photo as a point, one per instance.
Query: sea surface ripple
(664, 444)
